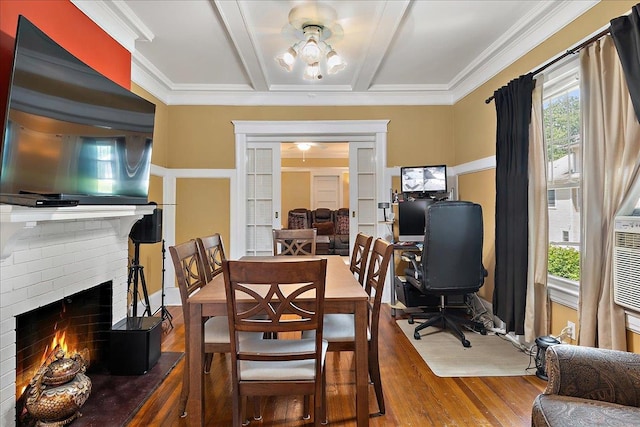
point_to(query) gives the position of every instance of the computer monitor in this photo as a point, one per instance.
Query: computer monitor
(424, 181)
(411, 219)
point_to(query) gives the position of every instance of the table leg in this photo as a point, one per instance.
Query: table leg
(195, 409)
(392, 287)
(362, 365)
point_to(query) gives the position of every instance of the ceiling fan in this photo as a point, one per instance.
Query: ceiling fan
(306, 146)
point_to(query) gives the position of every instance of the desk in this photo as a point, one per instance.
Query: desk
(405, 247)
(343, 294)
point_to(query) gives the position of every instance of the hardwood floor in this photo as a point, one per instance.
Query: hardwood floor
(414, 396)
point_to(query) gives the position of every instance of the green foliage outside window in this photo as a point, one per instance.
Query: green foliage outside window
(562, 124)
(564, 262)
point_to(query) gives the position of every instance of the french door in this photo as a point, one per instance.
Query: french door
(362, 189)
(262, 186)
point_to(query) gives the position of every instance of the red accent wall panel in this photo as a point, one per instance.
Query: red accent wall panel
(70, 28)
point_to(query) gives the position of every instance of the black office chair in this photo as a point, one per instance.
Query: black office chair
(451, 263)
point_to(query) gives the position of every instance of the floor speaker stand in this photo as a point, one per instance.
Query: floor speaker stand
(166, 316)
(135, 281)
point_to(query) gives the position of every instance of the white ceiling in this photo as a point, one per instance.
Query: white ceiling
(398, 52)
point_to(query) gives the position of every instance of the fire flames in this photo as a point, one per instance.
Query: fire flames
(61, 340)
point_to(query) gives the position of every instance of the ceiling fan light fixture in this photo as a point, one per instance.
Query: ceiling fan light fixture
(312, 72)
(287, 59)
(311, 51)
(303, 146)
(334, 62)
(313, 30)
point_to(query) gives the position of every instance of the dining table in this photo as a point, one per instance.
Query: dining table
(343, 294)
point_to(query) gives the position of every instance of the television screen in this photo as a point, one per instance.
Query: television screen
(411, 219)
(423, 179)
(70, 132)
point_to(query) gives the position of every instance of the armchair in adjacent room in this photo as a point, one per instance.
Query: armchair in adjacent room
(451, 263)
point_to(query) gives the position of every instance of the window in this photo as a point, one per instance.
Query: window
(561, 117)
(551, 198)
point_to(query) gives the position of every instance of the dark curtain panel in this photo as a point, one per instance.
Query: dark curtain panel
(625, 31)
(513, 111)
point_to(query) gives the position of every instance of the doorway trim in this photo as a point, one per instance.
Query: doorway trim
(297, 131)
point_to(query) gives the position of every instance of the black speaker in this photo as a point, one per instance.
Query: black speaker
(135, 345)
(148, 229)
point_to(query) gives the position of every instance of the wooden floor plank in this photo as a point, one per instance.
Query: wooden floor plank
(414, 396)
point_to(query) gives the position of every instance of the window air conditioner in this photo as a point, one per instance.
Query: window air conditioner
(626, 262)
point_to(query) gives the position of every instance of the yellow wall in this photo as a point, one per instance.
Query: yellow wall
(295, 192)
(473, 187)
(315, 163)
(560, 314)
(202, 136)
(202, 208)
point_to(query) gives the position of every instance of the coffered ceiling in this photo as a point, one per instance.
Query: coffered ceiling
(398, 52)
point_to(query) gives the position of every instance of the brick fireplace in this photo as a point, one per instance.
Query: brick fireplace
(50, 253)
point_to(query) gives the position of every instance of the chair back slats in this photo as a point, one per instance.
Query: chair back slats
(189, 269)
(295, 242)
(275, 297)
(263, 295)
(212, 253)
(360, 255)
(381, 254)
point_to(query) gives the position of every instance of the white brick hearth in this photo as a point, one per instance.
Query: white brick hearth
(49, 253)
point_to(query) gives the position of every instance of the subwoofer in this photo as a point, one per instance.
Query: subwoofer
(148, 229)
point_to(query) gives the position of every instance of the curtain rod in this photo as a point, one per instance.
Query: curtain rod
(564, 55)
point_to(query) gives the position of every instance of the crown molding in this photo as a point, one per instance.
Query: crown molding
(121, 23)
(551, 17)
(116, 19)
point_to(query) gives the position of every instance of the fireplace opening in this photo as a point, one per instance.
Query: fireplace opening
(74, 323)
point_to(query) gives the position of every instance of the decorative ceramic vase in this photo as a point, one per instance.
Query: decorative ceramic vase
(58, 391)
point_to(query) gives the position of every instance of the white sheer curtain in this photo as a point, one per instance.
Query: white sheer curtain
(611, 164)
(536, 317)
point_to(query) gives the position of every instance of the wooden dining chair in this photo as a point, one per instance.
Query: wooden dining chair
(360, 256)
(291, 295)
(212, 252)
(295, 242)
(190, 275)
(339, 329)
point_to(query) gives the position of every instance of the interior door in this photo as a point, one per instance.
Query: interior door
(262, 197)
(326, 192)
(362, 189)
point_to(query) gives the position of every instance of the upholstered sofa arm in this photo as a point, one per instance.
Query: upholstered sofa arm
(594, 373)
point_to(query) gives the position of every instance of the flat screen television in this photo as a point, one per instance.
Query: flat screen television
(423, 180)
(412, 219)
(70, 133)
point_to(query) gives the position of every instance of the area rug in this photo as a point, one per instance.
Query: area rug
(115, 399)
(488, 356)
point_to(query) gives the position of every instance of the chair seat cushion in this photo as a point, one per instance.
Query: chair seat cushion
(555, 410)
(340, 327)
(216, 331)
(279, 371)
